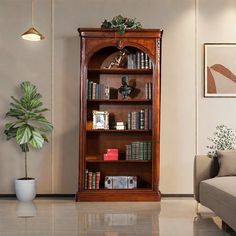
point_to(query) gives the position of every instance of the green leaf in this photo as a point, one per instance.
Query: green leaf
(28, 89)
(18, 103)
(46, 125)
(44, 137)
(10, 133)
(10, 125)
(24, 147)
(41, 110)
(37, 140)
(15, 113)
(23, 134)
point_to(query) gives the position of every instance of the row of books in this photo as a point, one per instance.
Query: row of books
(148, 91)
(92, 180)
(139, 60)
(100, 91)
(140, 120)
(138, 151)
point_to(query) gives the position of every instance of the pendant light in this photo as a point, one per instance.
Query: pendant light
(32, 34)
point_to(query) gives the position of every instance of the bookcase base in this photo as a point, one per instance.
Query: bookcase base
(118, 196)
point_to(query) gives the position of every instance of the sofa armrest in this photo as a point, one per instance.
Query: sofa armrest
(202, 171)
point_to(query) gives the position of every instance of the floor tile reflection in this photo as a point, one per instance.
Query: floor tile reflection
(65, 217)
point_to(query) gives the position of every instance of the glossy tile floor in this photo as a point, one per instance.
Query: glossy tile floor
(171, 217)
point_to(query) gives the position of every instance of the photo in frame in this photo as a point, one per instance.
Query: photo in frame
(220, 69)
(100, 120)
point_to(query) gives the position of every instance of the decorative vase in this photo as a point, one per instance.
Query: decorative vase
(25, 189)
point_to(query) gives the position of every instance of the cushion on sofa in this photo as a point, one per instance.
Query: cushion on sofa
(219, 194)
(227, 162)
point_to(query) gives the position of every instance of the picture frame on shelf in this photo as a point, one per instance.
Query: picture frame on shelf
(100, 120)
(219, 70)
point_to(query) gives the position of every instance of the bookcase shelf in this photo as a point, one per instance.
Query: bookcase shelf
(125, 101)
(97, 81)
(120, 71)
(117, 131)
(120, 161)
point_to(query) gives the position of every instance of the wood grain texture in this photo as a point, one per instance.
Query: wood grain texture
(96, 46)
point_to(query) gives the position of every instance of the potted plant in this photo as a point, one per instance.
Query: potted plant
(224, 138)
(28, 127)
(121, 23)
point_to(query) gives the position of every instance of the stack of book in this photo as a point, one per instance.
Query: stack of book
(120, 126)
(140, 120)
(139, 60)
(98, 91)
(138, 151)
(148, 90)
(92, 180)
(111, 155)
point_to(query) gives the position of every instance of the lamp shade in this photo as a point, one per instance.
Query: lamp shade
(32, 35)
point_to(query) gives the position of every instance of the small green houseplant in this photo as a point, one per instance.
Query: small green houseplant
(121, 23)
(224, 138)
(28, 126)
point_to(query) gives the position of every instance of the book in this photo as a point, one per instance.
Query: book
(146, 61)
(97, 179)
(129, 121)
(138, 59)
(141, 120)
(86, 179)
(120, 127)
(138, 150)
(90, 176)
(142, 60)
(149, 119)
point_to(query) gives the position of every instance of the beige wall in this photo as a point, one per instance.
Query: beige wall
(215, 24)
(53, 65)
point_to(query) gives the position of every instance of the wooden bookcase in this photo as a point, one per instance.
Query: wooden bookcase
(98, 47)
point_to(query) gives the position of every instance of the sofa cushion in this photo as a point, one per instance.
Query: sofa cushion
(227, 162)
(219, 194)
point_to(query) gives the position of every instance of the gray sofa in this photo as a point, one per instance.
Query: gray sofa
(216, 193)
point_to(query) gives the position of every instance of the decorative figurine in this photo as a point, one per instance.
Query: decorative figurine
(118, 60)
(125, 89)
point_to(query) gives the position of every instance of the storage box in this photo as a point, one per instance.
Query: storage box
(108, 182)
(109, 157)
(132, 182)
(120, 182)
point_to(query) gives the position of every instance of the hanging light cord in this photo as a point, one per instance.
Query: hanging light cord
(32, 18)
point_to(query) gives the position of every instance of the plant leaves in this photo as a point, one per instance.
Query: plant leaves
(10, 133)
(15, 113)
(41, 110)
(37, 140)
(23, 134)
(44, 137)
(46, 125)
(30, 125)
(24, 147)
(28, 89)
(10, 125)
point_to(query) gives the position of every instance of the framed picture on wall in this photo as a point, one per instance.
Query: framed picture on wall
(220, 69)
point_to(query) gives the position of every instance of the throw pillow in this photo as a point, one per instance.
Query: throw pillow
(227, 162)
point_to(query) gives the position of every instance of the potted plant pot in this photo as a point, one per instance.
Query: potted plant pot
(25, 189)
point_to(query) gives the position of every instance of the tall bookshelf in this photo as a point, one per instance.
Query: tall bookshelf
(98, 49)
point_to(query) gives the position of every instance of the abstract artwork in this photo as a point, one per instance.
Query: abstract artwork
(220, 70)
